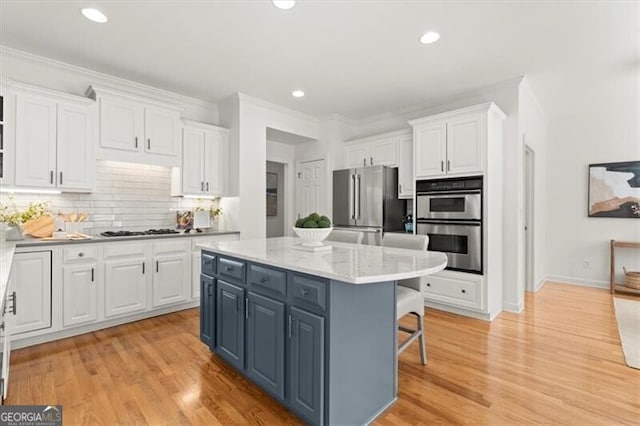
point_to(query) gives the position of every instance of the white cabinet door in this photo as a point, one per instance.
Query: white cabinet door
(171, 279)
(161, 128)
(356, 155)
(125, 286)
(384, 152)
(31, 280)
(193, 154)
(196, 256)
(35, 147)
(215, 163)
(464, 144)
(430, 149)
(121, 124)
(79, 294)
(405, 167)
(75, 156)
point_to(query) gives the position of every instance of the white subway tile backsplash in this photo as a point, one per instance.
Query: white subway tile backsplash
(132, 196)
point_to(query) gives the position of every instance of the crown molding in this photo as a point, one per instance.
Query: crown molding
(242, 97)
(133, 87)
(6, 83)
(204, 126)
(484, 107)
(405, 131)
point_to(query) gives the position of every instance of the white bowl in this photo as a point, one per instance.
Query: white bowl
(312, 237)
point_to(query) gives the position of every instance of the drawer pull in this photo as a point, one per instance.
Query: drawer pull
(264, 280)
(207, 262)
(304, 291)
(228, 268)
(92, 275)
(81, 254)
(464, 291)
(428, 284)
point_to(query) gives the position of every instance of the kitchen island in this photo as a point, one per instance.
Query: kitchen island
(317, 331)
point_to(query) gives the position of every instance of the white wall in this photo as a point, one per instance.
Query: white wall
(533, 123)
(599, 129)
(285, 154)
(248, 123)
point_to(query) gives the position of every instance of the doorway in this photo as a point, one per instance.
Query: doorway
(311, 188)
(529, 212)
(275, 199)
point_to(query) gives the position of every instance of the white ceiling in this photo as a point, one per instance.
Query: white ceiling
(353, 58)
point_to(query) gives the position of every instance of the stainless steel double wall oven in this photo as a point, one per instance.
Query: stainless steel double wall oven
(449, 211)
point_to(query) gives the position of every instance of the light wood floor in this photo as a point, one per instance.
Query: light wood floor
(558, 362)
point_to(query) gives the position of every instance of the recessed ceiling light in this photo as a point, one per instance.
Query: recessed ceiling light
(284, 4)
(430, 37)
(94, 15)
(297, 93)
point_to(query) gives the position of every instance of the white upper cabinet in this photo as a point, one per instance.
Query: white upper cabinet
(35, 141)
(205, 156)
(453, 143)
(54, 142)
(121, 124)
(137, 129)
(406, 182)
(372, 151)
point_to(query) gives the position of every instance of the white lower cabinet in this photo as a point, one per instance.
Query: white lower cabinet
(31, 282)
(196, 257)
(455, 288)
(126, 279)
(172, 274)
(79, 294)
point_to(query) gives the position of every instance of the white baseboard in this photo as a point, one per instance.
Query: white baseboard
(459, 311)
(578, 281)
(516, 308)
(539, 286)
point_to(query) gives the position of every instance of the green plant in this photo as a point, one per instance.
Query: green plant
(314, 220)
(214, 211)
(10, 213)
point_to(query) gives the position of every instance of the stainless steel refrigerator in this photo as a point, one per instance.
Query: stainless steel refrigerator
(366, 199)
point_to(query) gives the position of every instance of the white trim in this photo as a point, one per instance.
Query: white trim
(138, 88)
(204, 126)
(274, 107)
(96, 90)
(59, 96)
(539, 285)
(515, 308)
(484, 107)
(578, 281)
(459, 311)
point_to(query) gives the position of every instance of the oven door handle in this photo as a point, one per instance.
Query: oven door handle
(449, 222)
(447, 193)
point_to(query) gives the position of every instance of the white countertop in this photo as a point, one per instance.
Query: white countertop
(356, 264)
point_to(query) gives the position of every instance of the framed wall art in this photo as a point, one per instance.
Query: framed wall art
(614, 190)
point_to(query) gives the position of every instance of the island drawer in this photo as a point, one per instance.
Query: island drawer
(308, 292)
(80, 253)
(268, 280)
(233, 269)
(208, 264)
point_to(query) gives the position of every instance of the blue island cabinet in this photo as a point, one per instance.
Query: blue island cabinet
(325, 349)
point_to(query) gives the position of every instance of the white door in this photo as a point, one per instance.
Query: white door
(121, 124)
(31, 281)
(75, 158)
(356, 155)
(430, 149)
(35, 142)
(161, 130)
(125, 286)
(192, 161)
(196, 257)
(464, 144)
(215, 163)
(405, 167)
(171, 279)
(79, 294)
(384, 152)
(312, 184)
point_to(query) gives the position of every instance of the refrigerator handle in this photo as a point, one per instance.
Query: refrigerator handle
(358, 197)
(352, 184)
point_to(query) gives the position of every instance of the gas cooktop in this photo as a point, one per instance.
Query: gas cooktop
(133, 233)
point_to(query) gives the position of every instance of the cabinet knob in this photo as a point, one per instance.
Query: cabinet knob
(228, 268)
(304, 291)
(264, 280)
(464, 291)
(81, 254)
(428, 284)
